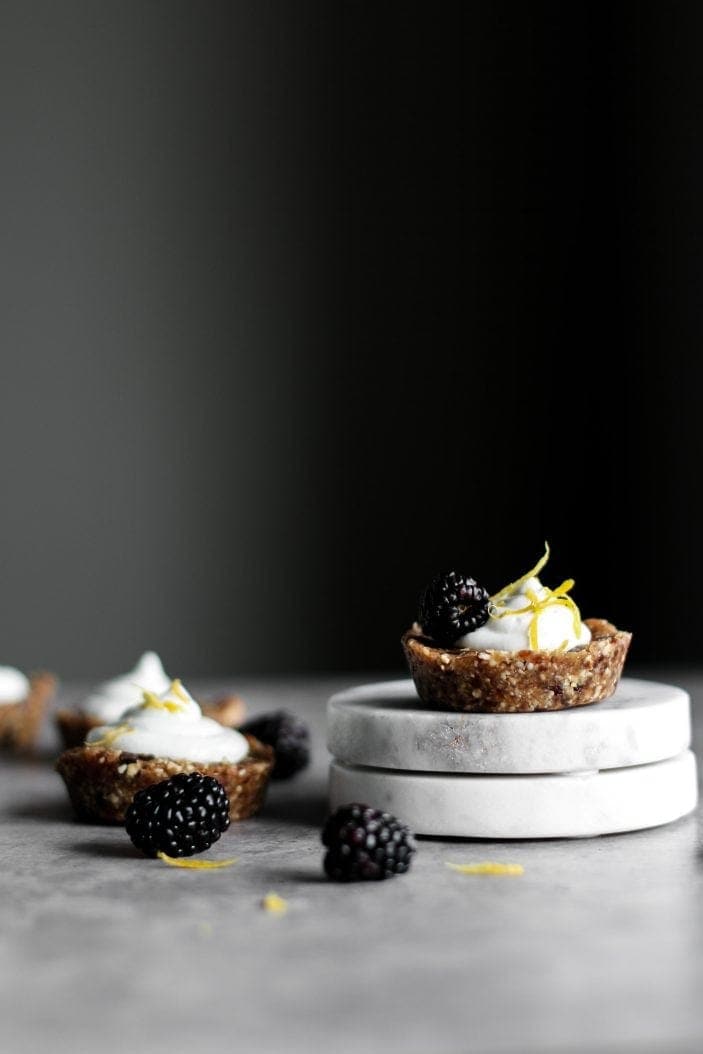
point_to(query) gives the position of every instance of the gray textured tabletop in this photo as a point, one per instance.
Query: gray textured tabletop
(596, 947)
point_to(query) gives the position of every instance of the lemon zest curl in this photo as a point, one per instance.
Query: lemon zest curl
(110, 736)
(488, 867)
(195, 865)
(558, 597)
(152, 701)
(274, 904)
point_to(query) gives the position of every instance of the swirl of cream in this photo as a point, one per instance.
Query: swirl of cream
(14, 686)
(111, 699)
(553, 625)
(171, 725)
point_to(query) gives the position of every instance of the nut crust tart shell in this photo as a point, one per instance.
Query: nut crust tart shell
(20, 722)
(102, 782)
(517, 682)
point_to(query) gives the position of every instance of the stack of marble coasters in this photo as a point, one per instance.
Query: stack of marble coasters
(620, 765)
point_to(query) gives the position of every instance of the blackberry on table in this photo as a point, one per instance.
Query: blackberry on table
(365, 844)
(452, 604)
(180, 816)
(289, 737)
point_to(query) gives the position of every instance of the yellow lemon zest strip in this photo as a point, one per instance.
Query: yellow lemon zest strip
(195, 865)
(110, 736)
(177, 689)
(514, 587)
(275, 904)
(152, 702)
(534, 600)
(536, 605)
(533, 634)
(487, 868)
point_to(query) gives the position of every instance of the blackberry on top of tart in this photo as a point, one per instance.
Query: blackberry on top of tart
(525, 648)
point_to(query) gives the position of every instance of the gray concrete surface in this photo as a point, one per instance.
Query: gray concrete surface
(597, 947)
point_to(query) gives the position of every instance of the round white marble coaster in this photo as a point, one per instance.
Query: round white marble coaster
(386, 726)
(571, 806)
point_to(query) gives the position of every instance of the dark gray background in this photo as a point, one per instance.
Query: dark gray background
(289, 299)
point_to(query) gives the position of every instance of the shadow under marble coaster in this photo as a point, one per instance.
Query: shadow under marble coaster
(577, 805)
(386, 725)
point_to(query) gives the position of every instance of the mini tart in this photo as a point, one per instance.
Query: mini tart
(20, 721)
(74, 725)
(517, 681)
(102, 782)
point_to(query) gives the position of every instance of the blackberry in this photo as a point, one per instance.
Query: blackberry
(180, 816)
(363, 843)
(452, 605)
(289, 737)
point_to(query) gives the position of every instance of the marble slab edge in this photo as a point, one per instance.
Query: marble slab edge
(504, 807)
(384, 725)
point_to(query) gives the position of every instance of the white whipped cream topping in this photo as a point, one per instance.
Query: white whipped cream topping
(171, 725)
(14, 686)
(555, 625)
(110, 700)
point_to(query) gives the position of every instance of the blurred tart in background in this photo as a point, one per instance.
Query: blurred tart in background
(109, 701)
(161, 736)
(23, 702)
